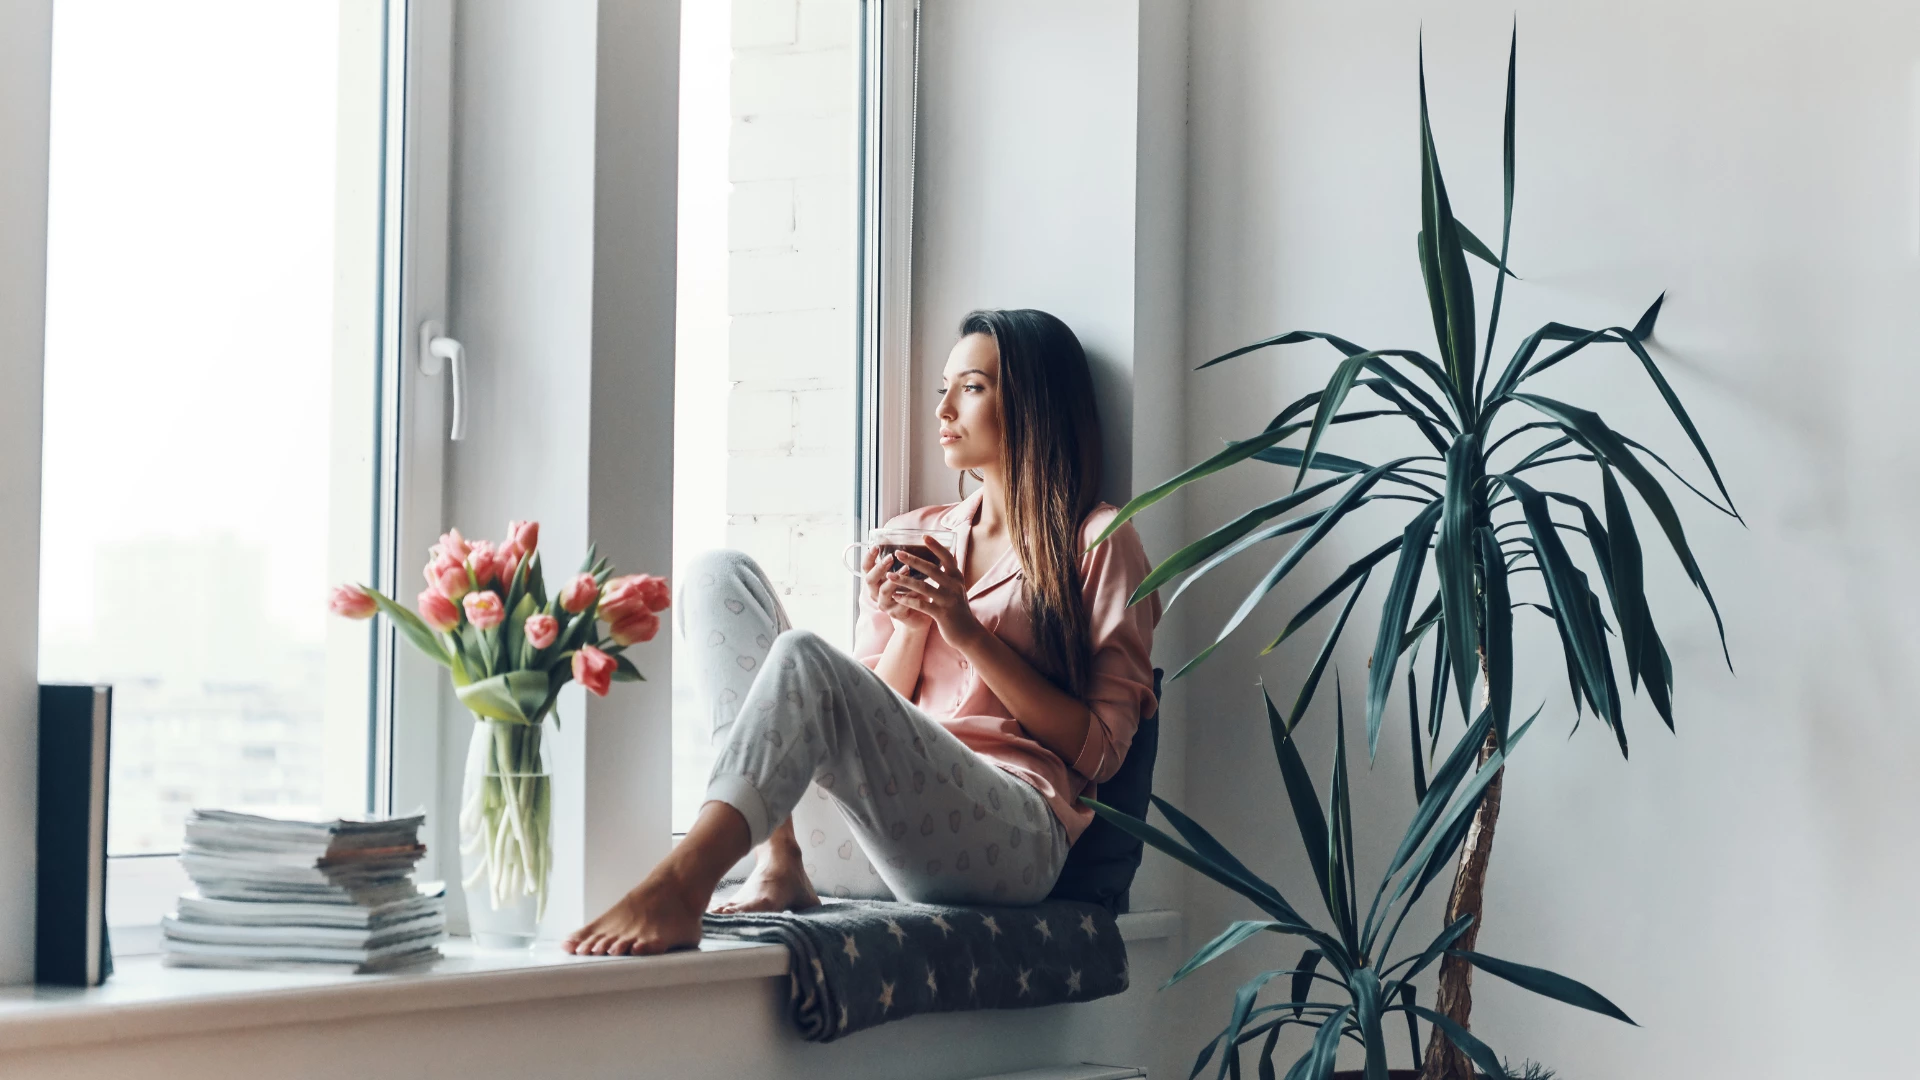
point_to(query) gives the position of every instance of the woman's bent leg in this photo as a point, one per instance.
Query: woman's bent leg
(728, 617)
(942, 824)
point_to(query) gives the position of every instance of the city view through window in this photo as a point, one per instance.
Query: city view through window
(211, 394)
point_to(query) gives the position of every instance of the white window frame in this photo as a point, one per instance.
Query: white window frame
(889, 129)
(403, 759)
(407, 752)
(406, 770)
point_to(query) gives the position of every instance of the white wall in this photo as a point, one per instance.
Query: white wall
(1743, 887)
(521, 298)
(629, 735)
(1049, 174)
(26, 57)
(1024, 192)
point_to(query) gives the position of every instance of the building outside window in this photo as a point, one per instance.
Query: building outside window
(213, 394)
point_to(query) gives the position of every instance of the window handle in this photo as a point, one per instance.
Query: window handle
(435, 347)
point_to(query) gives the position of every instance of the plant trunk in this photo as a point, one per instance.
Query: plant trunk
(1454, 996)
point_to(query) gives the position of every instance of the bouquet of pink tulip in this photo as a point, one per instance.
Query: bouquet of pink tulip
(509, 648)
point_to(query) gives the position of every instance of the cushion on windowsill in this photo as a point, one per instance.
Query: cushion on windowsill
(1101, 864)
(856, 964)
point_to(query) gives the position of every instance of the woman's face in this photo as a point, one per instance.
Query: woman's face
(969, 411)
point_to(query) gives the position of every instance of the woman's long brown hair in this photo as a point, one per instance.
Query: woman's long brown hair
(1050, 450)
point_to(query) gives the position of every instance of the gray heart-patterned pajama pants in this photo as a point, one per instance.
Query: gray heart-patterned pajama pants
(938, 823)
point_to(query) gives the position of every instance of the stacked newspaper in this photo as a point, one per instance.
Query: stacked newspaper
(334, 896)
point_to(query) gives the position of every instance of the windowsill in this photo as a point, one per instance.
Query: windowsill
(143, 999)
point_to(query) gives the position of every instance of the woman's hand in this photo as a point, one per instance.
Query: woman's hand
(941, 595)
(874, 578)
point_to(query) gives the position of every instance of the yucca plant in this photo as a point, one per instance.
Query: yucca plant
(1367, 989)
(1482, 515)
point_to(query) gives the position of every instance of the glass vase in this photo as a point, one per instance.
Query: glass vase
(506, 833)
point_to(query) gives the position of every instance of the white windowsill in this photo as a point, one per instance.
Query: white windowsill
(144, 999)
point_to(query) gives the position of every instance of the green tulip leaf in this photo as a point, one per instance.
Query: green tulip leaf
(514, 696)
(411, 627)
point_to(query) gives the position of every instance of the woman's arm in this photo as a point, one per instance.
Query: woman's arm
(899, 665)
(1056, 719)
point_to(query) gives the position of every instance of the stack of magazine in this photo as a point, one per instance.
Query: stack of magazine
(332, 896)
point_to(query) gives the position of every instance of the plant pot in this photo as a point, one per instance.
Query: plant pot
(1392, 1074)
(506, 833)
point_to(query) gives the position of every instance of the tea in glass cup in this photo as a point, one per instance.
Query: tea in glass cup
(889, 542)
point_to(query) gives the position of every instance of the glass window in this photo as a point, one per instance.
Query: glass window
(767, 384)
(212, 397)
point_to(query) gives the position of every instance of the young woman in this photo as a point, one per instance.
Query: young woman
(989, 689)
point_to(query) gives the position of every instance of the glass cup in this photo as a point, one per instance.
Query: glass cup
(889, 541)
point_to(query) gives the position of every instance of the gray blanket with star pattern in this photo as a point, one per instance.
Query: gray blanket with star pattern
(856, 964)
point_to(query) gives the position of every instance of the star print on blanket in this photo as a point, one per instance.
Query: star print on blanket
(856, 964)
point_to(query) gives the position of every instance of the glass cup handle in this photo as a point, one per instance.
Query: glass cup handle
(853, 549)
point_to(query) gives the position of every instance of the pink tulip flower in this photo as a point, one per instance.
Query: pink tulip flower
(352, 602)
(506, 561)
(655, 591)
(634, 627)
(484, 609)
(635, 592)
(451, 546)
(594, 669)
(579, 593)
(522, 537)
(438, 611)
(482, 561)
(449, 577)
(542, 629)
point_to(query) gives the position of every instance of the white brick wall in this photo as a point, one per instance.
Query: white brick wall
(793, 79)
(792, 449)
(760, 214)
(789, 144)
(792, 350)
(759, 24)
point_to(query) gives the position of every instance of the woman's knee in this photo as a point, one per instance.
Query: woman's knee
(716, 570)
(799, 645)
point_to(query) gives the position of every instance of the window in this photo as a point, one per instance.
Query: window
(220, 412)
(775, 366)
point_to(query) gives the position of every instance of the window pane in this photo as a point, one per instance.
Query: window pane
(211, 397)
(766, 448)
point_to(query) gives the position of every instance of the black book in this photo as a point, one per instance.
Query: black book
(70, 935)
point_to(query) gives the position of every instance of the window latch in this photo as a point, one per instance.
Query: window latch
(436, 347)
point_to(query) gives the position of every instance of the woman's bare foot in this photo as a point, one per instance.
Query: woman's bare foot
(656, 916)
(776, 884)
(663, 912)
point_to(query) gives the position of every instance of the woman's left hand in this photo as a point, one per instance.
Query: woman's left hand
(941, 594)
